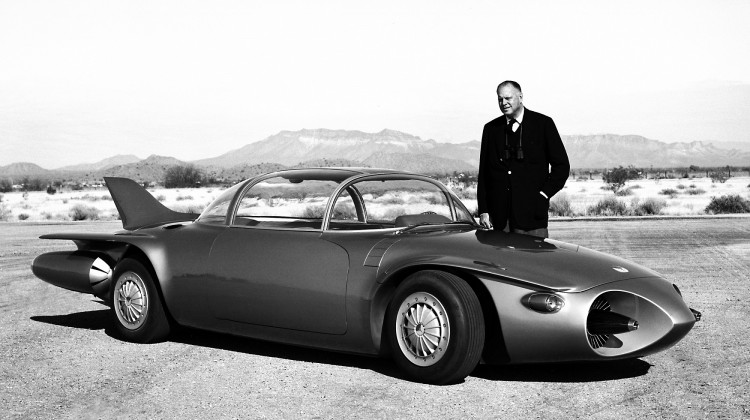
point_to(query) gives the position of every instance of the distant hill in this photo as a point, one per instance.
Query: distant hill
(152, 168)
(102, 164)
(609, 150)
(391, 149)
(291, 147)
(21, 169)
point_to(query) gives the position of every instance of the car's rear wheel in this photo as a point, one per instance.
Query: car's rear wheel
(435, 327)
(136, 307)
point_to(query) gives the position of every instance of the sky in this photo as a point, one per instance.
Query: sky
(81, 81)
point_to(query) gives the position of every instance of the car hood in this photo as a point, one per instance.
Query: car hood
(526, 259)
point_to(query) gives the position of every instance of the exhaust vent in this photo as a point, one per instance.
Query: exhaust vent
(598, 340)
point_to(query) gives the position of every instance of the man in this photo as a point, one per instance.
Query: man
(522, 164)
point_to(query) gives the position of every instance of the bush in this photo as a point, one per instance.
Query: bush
(650, 206)
(680, 187)
(616, 178)
(560, 206)
(718, 177)
(51, 190)
(608, 207)
(695, 191)
(23, 216)
(624, 192)
(81, 212)
(182, 176)
(728, 204)
(668, 191)
(6, 185)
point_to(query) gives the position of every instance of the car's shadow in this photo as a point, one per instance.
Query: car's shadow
(549, 372)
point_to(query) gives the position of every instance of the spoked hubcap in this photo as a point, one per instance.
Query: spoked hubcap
(422, 329)
(131, 300)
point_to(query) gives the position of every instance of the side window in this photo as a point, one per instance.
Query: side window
(396, 203)
(216, 212)
(285, 203)
(344, 210)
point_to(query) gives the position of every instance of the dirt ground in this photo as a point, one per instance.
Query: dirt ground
(59, 356)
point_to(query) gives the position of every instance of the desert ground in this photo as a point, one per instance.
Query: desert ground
(61, 357)
(680, 197)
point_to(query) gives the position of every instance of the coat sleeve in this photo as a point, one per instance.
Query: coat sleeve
(558, 160)
(482, 177)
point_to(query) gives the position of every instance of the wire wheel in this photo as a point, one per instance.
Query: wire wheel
(131, 300)
(422, 329)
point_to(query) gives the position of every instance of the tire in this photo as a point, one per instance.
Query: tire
(435, 327)
(137, 309)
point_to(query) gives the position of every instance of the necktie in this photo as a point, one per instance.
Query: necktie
(510, 125)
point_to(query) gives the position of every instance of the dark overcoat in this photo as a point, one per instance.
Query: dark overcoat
(509, 189)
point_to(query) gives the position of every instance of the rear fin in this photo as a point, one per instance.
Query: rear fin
(138, 208)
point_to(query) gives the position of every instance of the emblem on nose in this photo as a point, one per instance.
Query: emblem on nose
(620, 269)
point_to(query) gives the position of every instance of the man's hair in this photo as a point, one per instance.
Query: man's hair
(509, 82)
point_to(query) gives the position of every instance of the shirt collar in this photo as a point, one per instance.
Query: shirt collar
(519, 119)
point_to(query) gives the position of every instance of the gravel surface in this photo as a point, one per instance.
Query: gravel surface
(60, 357)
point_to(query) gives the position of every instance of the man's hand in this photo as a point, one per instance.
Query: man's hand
(484, 220)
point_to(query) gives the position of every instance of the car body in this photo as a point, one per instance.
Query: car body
(368, 261)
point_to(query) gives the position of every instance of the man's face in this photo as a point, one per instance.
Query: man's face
(510, 100)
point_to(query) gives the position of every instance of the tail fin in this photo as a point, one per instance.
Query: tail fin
(138, 208)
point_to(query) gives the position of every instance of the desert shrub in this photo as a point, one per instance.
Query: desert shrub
(691, 185)
(106, 197)
(649, 206)
(33, 184)
(23, 216)
(624, 192)
(179, 176)
(190, 208)
(680, 187)
(635, 186)
(559, 205)
(51, 190)
(728, 204)
(6, 185)
(616, 178)
(161, 197)
(718, 177)
(668, 191)
(314, 212)
(81, 212)
(609, 206)
(184, 197)
(695, 191)
(466, 194)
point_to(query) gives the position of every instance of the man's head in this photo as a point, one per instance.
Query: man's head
(510, 98)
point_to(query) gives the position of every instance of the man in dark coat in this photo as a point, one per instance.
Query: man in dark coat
(522, 164)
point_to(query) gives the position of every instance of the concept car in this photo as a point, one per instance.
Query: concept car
(366, 261)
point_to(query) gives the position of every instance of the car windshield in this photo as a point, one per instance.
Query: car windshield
(296, 202)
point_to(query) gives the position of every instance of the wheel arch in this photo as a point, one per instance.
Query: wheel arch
(136, 253)
(494, 350)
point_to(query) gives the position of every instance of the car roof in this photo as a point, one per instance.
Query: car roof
(333, 174)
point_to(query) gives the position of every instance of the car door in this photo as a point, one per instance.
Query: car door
(272, 268)
(280, 278)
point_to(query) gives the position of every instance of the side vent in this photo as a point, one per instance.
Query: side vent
(598, 340)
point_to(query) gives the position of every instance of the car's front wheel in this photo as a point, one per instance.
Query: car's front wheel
(435, 327)
(136, 307)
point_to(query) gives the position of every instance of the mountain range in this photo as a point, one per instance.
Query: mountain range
(390, 149)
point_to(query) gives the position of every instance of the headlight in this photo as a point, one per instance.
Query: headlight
(544, 302)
